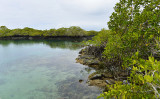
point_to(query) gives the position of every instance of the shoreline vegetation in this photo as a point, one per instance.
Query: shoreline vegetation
(128, 54)
(106, 72)
(30, 33)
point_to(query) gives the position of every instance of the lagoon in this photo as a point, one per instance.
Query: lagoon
(43, 69)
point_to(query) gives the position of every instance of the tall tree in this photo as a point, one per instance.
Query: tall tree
(135, 15)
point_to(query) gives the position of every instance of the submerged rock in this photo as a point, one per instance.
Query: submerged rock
(72, 89)
(80, 81)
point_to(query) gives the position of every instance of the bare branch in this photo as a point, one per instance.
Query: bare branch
(155, 90)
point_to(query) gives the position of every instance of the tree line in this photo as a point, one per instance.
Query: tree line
(71, 31)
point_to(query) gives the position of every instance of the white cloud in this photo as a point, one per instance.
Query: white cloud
(87, 6)
(46, 14)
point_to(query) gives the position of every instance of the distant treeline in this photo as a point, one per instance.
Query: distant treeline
(71, 31)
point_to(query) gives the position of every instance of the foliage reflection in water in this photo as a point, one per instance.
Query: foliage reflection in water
(42, 70)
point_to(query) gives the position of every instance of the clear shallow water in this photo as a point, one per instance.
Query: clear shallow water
(42, 70)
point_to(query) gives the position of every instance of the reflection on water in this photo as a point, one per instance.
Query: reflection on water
(67, 44)
(43, 70)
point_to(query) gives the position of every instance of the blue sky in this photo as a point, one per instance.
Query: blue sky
(47, 14)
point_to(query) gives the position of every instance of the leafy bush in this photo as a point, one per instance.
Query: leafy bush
(143, 83)
(100, 39)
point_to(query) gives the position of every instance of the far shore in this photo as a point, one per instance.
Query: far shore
(44, 37)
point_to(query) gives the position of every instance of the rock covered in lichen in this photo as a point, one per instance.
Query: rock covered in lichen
(87, 60)
(87, 57)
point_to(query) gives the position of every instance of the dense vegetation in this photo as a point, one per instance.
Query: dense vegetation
(71, 31)
(133, 42)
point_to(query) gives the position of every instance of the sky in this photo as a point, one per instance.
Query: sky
(47, 14)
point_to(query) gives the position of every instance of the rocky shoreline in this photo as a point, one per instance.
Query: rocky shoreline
(91, 56)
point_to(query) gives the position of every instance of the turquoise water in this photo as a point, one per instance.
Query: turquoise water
(43, 70)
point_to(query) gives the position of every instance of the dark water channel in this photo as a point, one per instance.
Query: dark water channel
(45, 69)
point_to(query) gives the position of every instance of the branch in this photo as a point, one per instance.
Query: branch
(153, 73)
(157, 42)
(155, 90)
